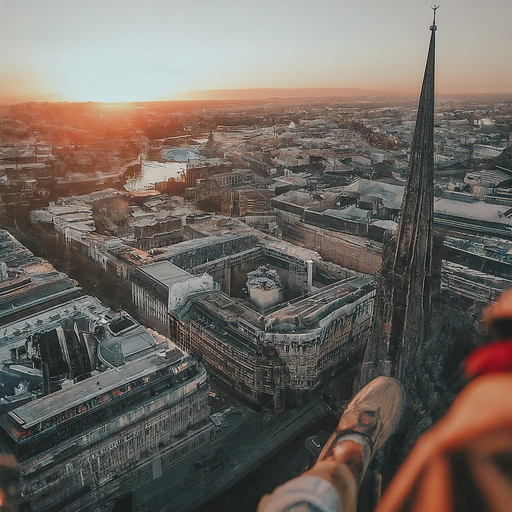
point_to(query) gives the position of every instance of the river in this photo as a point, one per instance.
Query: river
(154, 172)
(173, 166)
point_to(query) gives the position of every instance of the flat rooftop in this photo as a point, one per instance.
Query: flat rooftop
(391, 195)
(166, 273)
(298, 198)
(289, 249)
(311, 305)
(351, 212)
(475, 211)
(36, 292)
(197, 243)
(48, 406)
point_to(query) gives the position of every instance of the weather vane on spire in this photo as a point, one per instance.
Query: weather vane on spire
(434, 8)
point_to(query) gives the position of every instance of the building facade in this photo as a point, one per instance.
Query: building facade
(93, 405)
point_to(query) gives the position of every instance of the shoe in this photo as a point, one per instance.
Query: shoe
(369, 419)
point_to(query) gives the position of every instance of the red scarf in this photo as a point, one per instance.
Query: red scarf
(491, 358)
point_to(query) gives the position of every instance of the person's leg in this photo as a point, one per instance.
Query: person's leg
(341, 474)
(332, 483)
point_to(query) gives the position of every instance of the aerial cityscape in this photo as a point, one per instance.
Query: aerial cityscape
(196, 275)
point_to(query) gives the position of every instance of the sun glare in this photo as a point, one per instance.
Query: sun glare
(106, 89)
(111, 82)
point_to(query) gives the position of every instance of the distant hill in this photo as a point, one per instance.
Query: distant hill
(266, 93)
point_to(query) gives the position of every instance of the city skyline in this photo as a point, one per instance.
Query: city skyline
(121, 51)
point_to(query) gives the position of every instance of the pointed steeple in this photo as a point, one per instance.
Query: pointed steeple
(403, 300)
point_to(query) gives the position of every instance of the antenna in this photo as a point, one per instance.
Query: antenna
(434, 8)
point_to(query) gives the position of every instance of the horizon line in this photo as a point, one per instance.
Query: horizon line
(256, 93)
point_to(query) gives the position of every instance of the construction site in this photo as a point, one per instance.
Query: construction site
(273, 343)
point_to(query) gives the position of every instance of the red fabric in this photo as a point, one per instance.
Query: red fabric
(491, 358)
(461, 463)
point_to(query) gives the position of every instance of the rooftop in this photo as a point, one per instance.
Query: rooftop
(349, 213)
(119, 346)
(197, 243)
(289, 249)
(48, 406)
(391, 195)
(166, 273)
(313, 308)
(16, 333)
(13, 253)
(210, 162)
(33, 293)
(298, 198)
(477, 211)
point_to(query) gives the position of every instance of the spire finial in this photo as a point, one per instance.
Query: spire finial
(434, 8)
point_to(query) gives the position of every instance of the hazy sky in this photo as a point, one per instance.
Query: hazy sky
(128, 50)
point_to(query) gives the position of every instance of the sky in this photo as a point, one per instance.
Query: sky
(143, 50)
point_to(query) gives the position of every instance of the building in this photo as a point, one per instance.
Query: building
(485, 152)
(280, 350)
(200, 169)
(27, 177)
(93, 405)
(265, 288)
(284, 357)
(237, 193)
(407, 276)
(162, 287)
(155, 231)
(28, 284)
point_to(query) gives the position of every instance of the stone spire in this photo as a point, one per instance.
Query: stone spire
(403, 300)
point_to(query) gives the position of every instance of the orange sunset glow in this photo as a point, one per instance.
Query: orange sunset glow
(118, 51)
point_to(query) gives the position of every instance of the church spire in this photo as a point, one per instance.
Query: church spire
(403, 300)
(433, 26)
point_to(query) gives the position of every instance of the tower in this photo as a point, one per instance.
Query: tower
(404, 289)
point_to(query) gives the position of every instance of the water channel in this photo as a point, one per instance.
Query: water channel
(173, 165)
